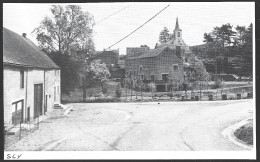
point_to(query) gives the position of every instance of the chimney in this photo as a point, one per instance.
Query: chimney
(24, 35)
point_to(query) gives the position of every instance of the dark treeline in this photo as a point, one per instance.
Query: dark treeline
(228, 50)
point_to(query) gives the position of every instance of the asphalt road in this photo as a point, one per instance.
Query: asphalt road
(168, 126)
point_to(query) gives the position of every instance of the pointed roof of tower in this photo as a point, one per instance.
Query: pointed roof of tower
(177, 24)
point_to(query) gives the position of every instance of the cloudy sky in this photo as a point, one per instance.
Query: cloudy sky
(194, 19)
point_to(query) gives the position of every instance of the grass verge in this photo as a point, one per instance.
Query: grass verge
(245, 133)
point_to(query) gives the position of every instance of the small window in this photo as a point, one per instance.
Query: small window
(175, 67)
(141, 77)
(152, 77)
(21, 78)
(141, 68)
(179, 34)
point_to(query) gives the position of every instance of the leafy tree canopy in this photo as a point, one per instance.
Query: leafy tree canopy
(164, 36)
(67, 31)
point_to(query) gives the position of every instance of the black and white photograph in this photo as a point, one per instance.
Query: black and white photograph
(129, 80)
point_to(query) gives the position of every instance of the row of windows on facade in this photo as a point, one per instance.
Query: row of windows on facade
(56, 73)
(165, 77)
(164, 60)
(175, 67)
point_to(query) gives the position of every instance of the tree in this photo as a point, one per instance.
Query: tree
(69, 71)
(99, 72)
(152, 87)
(95, 73)
(245, 49)
(118, 91)
(217, 42)
(140, 86)
(220, 38)
(207, 38)
(240, 34)
(164, 36)
(135, 86)
(127, 84)
(67, 31)
(224, 34)
(200, 75)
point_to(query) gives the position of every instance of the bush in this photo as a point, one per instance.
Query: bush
(104, 90)
(217, 84)
(91, 92)
(245, 133)
(170, 95)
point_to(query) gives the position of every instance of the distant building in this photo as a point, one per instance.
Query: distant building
(168, 63)
(177, 43)
(108, 57)
(161, 66)
(31, 80)
(136, 51)
(121, 64)
(118, 70)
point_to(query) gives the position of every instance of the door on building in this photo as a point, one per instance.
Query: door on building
(165, 77)
(17, 112)
(152, 78)
(38, 99)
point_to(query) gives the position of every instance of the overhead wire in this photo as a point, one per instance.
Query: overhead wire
(138, 27)
(109, 16)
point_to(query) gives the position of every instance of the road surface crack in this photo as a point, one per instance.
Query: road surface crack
(121, 136)
(184, 141)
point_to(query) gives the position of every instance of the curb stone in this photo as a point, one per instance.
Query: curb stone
(229, 133)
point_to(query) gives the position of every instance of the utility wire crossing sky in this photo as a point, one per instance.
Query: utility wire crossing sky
(114, 21)
(109, 16)
(139, 27)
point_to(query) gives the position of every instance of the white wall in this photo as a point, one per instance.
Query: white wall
(13, 92)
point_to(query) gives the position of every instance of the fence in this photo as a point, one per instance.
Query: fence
(202, 95)
(23, 130)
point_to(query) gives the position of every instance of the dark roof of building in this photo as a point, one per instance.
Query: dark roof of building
(20, 51)
(150, 53)
(104, 53)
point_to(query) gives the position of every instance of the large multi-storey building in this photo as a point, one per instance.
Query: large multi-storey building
(160, 65)
(164, 65)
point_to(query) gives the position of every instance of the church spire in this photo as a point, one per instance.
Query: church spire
(177, 24)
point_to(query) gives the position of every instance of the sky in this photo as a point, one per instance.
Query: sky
(195, 18)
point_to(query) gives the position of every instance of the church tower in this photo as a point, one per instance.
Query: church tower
(177, 35)
(177, 32)
(176, 38)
